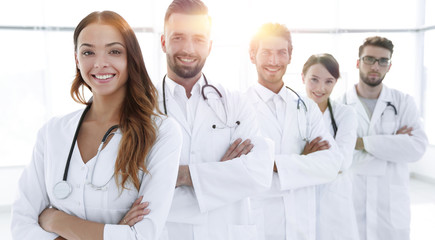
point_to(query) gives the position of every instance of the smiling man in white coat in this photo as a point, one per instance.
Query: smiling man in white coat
(390, 135)
(223, 161)
(305, 153)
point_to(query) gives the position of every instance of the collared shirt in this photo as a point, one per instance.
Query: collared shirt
(275, 101)
(187, 105)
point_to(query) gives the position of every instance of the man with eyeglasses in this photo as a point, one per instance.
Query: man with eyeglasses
(390, 135)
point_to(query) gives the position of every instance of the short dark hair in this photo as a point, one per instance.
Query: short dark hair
(191, 7)
(327, 60)
(377, 42)
(271, 29)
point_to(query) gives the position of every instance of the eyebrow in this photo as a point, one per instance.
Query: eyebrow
(107, 45)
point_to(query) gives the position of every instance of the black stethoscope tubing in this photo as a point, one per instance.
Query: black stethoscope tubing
(202, 91)
(106, 135)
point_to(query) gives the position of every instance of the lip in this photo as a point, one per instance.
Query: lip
(186, 60)
(105, 78)
(318, 95)
(272, 70)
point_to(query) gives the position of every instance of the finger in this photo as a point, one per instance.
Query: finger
(316, 140)
(136, 213)
(322, 144)
(246, 150)
(138, 201)
(232, 147)
(239, 149)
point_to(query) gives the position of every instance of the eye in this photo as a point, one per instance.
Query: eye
(177, 38)
(314, 79)
(87, 53)
(115, 52)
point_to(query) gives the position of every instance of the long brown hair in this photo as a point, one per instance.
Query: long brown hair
(139, 106)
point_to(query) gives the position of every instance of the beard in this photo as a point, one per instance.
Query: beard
(367, 80)
(184, 71)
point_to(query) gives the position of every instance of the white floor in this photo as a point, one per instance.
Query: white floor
(422, 211)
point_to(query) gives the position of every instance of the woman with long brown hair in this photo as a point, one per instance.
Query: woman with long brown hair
(117, 177)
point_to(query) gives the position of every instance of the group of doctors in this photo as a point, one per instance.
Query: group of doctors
(264, 165)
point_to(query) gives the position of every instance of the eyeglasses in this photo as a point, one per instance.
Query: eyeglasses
(383, 62)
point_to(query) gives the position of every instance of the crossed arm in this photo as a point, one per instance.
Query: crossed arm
(403, 130)
(236, 149)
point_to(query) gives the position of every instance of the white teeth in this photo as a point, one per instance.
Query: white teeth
(104, 77)
(272, 69)
(186, 60)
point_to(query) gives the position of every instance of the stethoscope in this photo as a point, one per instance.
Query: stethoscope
(63, 189)
(302, 116)
(204, 96)
(388, 118)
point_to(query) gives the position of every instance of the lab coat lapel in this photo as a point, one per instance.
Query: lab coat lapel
(381, 104)
(353, 100)
(263, 111)
(174, 110)
(203, 113)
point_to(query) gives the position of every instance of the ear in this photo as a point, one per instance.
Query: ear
(303, 78)
(163, 42)
(357, 63)
(77, 60)
(252, 56)
(389, 67)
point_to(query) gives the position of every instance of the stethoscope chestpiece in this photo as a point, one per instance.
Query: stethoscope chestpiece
(62, 190)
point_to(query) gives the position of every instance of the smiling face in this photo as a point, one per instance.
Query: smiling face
(101, 57)
(187, 45)
(271, 60)
(319, 84)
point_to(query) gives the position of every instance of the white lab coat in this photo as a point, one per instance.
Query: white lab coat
(35, 191)
(217, 207)
(336, 218)
(291, 201)
(380, 173)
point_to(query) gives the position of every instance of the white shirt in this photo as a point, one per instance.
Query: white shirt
(187, 106)
(217, 207)
(380, 172)
(288, 209)
(104, 206)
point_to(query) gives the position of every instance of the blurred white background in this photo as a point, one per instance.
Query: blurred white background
(37, 60)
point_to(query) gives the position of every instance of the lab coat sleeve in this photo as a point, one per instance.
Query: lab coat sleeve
(157, 186)
(297, 171)
(32, 196)
(400, 148)
(219, 183)
(346, 134)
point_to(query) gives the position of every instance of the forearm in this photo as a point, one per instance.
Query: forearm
(183, 178)
(71, 227)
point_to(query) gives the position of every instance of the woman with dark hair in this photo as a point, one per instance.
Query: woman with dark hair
(124, 154)
(335, 211)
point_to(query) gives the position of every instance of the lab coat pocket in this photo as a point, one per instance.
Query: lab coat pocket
(399, 207)
(220, 140)
(243, 232)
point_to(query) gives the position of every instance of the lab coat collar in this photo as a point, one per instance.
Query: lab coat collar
(267, 95)
(172, 85)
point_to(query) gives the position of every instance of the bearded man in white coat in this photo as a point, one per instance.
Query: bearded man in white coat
(389, 136)
(305, 153)
(223, 161)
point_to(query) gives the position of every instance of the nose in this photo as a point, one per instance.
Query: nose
(189, 46)
(375, 66)
(101, 62)
(273, 59)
